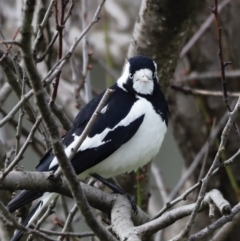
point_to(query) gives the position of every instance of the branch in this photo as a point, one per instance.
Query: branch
(57, 146)
(189, 91)
(121, 221)
(43, 181)
(10, 219)
(8, 67)
(216, 225)
(89, 125)
(159, 181)
(59, 27)
(201, 30)
(41, 27)
(223, 64)
(60, 64)
(23, 149)
(123, 227)
(225, 134)
(195, 76)
(196, 161)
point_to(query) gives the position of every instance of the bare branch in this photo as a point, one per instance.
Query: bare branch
(216, 225)
(196, 76)
(12, 221)
(189, 91)
(41, 27)
(159, 181)
(122, 224)
(201, 30)
(68, 234)
(23, 149)
(215, 164)
(86, 56)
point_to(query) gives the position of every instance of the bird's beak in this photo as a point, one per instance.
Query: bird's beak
(144, 78)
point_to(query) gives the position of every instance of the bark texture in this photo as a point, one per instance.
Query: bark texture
(192, 117)
(160, 31)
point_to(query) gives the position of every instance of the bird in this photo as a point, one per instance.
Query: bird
(127, 134)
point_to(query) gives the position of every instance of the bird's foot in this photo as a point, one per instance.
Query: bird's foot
(117, 189)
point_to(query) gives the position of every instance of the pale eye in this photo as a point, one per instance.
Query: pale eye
(130, 76)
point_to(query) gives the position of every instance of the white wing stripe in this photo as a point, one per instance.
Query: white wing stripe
(97, 140)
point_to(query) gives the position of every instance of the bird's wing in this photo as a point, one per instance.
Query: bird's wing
(105, 137)
(79, 124)
(116, 124)
(115, 138)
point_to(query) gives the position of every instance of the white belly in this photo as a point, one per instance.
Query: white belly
(139, 150)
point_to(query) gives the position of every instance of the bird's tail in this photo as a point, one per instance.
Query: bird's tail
(43, 202)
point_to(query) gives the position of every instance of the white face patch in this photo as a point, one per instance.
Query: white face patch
(124, 77)
(156, 75)
(143, 82)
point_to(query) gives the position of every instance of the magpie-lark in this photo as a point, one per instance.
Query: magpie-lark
(127, 134)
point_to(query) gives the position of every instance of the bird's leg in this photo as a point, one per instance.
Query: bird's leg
(117, 189)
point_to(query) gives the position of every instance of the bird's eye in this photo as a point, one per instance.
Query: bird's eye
(130, 76)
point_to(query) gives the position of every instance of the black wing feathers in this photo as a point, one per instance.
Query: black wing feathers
(113, 140)
(45, 162)
(82, 119)
(19, 233)
(117, 136)
(22, 199)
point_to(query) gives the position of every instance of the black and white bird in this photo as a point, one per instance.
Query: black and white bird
(127, 134)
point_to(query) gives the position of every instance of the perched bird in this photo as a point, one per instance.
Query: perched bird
(127, 134)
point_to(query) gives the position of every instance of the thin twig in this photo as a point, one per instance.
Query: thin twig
(67, 234)
(216, 225)
(71, 215)
(159, 181)
(199, 156)
(10, 45)
(5, 92)
(23, 149)
(59, 65)
(194, 164)
(41, 58)
(16, 108)
(225, 134)
(86, 55)
(59, 27)
(48, 212)
(201, 30)
(88, 127)
(204, 162)
(41, 27)
(11, 220)
(25, 132)
(220, 54)
(189, 91)
(68, 222)
(210, 75)
(58, 149)
(20, 119)
(223, 64)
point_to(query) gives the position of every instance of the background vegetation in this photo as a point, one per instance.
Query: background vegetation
(56, 55)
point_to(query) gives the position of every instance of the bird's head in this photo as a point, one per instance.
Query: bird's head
(139, 75)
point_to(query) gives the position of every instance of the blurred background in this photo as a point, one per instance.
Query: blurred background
(194, 91)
